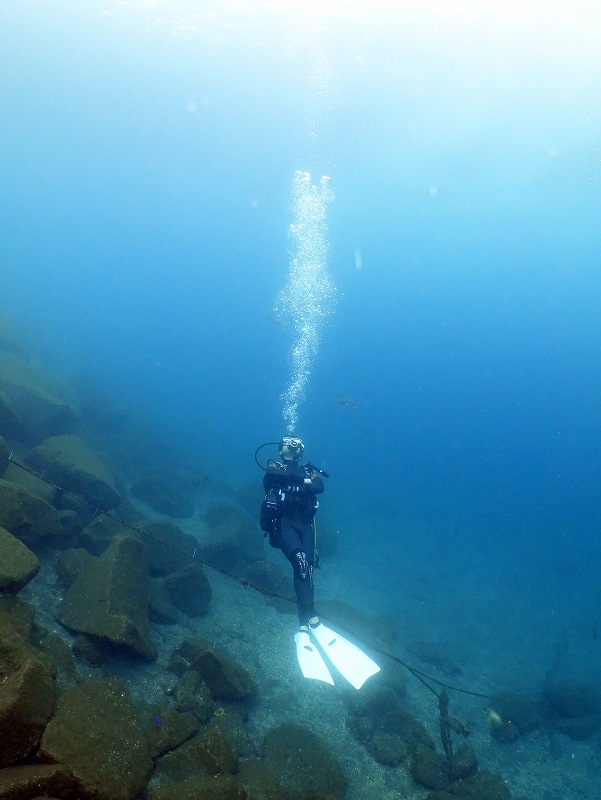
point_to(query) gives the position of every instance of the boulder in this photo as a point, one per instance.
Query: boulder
(31, 482)
(301, 762)
(192, 694)
(235, 539)
(41, 408)
(27, 694)
(109, 599)
(482, 786)
(36, 781)
(226, 679)
(69, 462)
(95, 734)
(189, 590)
(167, 728)
(203, 787)
(26, 515)
(164, 497)
(99, 533)
(169, 548)
(18, 565)
(210, 750)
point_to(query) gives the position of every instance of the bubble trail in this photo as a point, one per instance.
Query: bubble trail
(308, 297)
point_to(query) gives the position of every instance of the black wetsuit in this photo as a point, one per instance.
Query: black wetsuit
(296, 507)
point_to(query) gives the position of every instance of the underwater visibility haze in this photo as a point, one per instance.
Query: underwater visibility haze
(371, 225)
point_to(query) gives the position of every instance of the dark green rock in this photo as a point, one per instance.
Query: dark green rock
(189, 590)
(192, 694)
(169, 548)
(482, 786)
(210, 752)
(72, 465)
(95, 733)
(18, 565)
(167, 728)
(109, 599)
(430, 769)
(301, 762)
(226, 679)
(162, 496)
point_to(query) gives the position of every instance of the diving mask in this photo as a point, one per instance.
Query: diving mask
(291, 448)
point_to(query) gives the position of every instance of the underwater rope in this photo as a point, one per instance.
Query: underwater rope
(246, 582)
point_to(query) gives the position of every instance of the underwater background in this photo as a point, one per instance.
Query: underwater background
(149, 152)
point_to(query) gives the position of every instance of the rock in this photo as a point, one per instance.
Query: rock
(434, 654)
(483, 786)
(301, 762)
(109, 599)
(430, 769)
(18, 565)
(235, 538)
(578, 728)
(210, 750)
(263, 785)
(226, 679)
(27, 695)
(30, 482)
(189, 590)
(70, 563)
(69, 462)
(99, 533)
(36, 781)
(573, 700)
(26, 515)
(88, 651)
(163, 497)
(464, 764)
(167, 728)
(203, 787)
(17, 615)
(192, 694)
(169, 548)
(387, 748)
(160, 608)
(95, 734)
(378, 710)
(42, 409)
(56, 648)
(71, 526)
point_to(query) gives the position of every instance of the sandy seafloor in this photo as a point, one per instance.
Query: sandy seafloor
(247, 626)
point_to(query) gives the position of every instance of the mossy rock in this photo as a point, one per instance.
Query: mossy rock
(301, 762)
(41, 407)
(95, 733)
(109, 599)
(68, 462)
(18, 565)
(226, 679)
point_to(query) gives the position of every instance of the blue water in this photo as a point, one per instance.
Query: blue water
(148, 153)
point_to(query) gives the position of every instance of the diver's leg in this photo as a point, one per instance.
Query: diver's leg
(293, 547)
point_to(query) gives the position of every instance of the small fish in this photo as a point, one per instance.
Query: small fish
(200, 481)
(344, 402)
(493, 717)
(595, 631)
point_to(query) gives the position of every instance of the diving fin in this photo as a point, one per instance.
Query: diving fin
(355, 665)
(310, 659)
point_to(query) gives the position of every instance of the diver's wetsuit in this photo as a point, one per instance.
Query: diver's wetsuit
(297, 505)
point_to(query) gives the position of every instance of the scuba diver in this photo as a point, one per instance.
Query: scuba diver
(288, 516)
